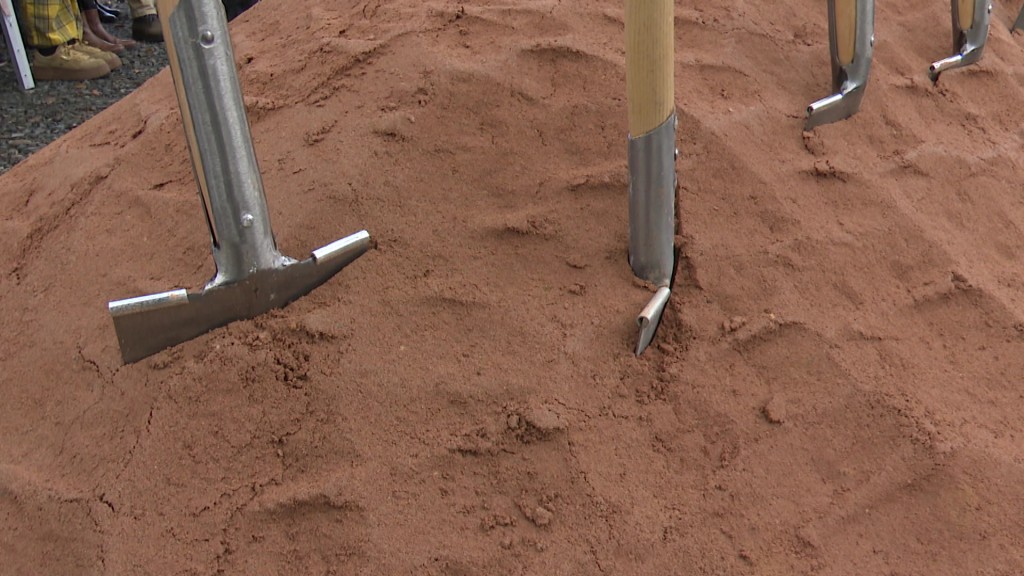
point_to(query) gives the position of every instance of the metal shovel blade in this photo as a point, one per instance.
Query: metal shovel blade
(652, 219)
(149, 324)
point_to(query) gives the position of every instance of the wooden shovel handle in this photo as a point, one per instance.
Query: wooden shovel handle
(965, 8)
(650, 57)
(846, 30)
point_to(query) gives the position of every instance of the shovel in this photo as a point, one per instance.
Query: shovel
(650, 78)
(970, 30)
(851, 31)
(252, 276)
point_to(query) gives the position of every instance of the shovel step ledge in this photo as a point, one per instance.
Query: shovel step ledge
(650, 318)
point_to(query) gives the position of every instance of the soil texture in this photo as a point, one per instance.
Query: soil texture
(836, 388)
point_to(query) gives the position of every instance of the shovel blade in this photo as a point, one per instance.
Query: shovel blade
(149, 324)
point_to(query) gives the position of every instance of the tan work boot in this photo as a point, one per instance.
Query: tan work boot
(110, 58)
(147, 29)
(68, 64)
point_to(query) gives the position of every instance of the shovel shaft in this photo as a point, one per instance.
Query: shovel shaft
(845, 29)
(650, 76)
(649, 64)
(965, 13)
(851, 25)
(652, 203)
(203, 66)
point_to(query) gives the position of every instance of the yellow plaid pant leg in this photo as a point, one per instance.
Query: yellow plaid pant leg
(50, 23)
(140, 8)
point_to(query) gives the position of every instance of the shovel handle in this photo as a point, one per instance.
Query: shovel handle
(650, 57)
(846, 30)
(165, 8)
(965, 13)
(220, 143)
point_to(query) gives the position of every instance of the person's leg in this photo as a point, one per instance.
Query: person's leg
(145, 23)
(50, 23)
(94, 20)
(93, 32)
(52, 27)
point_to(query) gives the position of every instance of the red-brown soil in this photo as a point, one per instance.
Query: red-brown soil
(837, 388)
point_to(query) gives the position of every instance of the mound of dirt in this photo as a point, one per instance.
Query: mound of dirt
(836, 388)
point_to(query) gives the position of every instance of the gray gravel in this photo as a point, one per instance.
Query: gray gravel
(31, 120)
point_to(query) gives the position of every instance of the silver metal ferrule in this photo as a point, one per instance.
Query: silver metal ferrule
(243, 241)
(652, 203)
(968, 44)
(850, 81)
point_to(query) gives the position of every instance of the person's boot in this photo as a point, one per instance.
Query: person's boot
(112, 60)
(67, 64)
(147, 29)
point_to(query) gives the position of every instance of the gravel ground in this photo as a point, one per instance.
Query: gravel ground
(31, 120)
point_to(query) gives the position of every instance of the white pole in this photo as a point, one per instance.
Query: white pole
(14, 45)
